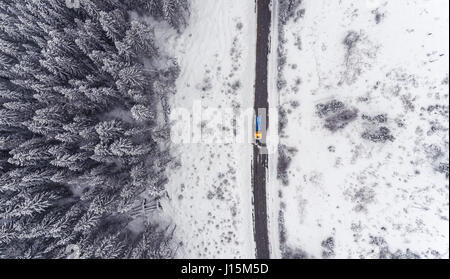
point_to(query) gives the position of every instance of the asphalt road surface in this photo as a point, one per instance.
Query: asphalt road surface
(261, 107)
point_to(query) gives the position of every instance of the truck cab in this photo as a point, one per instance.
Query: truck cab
(258, 129)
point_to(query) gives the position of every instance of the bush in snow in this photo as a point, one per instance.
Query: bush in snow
(336, 115)
(381, 134)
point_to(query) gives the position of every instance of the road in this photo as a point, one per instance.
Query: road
(260, 160)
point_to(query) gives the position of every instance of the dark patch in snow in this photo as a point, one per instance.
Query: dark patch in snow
(350, 41)
(284, 160)
(294, 253)
(282, 121)
(362, 197)
(384, 251)
(379, 135)
(443, 168)
(328, 247)
(332, 106)
(287, 10)
(340, 120)
(379, 16)
(380, 118)
(337, 115)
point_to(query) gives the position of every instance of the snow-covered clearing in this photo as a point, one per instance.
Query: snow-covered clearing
(209, 194)
(366, 139)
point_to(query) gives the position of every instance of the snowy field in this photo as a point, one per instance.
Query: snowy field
(209, 193)
(363, 157)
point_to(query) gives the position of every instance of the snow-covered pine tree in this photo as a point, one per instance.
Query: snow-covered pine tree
(175, 12)
(77, 122)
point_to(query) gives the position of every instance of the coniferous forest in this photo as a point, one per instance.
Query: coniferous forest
(83, 136)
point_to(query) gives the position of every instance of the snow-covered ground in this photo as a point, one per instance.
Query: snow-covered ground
(366, 139)
(209, 194)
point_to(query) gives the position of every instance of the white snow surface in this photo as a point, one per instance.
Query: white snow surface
(350, 197)
(209, 194)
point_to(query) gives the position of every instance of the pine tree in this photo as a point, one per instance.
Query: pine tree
(142, 113)
(78, 124)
